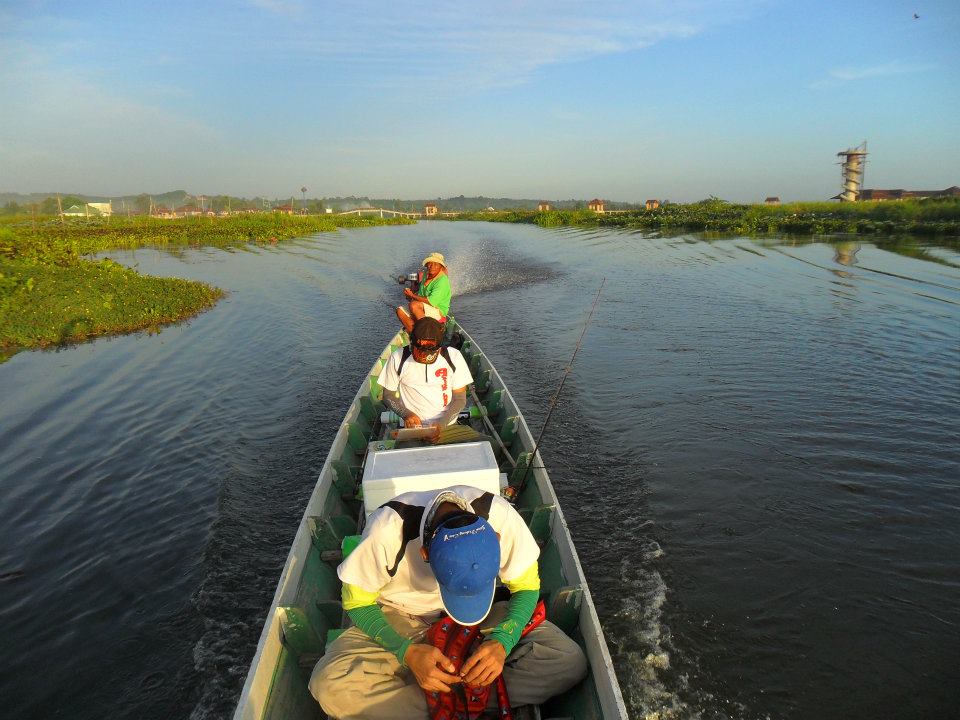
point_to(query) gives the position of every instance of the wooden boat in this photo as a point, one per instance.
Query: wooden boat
(306, 610)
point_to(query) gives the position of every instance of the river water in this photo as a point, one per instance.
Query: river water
(756, 450)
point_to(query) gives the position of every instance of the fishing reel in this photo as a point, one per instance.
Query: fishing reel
(411, 280)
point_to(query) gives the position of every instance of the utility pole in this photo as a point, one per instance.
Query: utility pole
(303, 201)
(60, 208)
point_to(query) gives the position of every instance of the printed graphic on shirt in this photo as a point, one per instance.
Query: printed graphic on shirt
(426, 389)
(442, 374)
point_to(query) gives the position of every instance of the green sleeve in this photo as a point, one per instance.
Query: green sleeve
(519, 612)
(373, 622)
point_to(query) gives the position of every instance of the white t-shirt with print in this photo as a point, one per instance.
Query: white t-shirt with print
(413, 588)
(425, 389)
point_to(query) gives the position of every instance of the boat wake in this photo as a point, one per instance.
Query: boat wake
(642, 657)
(489, 267)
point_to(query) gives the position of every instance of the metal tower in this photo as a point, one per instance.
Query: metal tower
(853, 164)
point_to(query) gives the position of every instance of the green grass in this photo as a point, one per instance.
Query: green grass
(51, 294)
(47, 238)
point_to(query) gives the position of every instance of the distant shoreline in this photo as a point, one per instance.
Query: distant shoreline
(930, 217)
(51, 294)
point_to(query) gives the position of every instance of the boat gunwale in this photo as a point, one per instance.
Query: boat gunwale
(257, 686)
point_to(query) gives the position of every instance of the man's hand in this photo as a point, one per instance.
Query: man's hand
(408, 293)
(434, 438)
(431, 667)
(485, 665)
(412, 421)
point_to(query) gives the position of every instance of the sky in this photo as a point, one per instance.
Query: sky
(668, 99)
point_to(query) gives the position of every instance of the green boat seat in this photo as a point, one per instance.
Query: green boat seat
(376, 392)
(563, 610)
(344, 478)
(520, 473)
(482, 382)
(552, 576)
(540, 523)
(508, 431)
(328, 533)
(370, 410)
(495, 403)
(297, 632)
(356, 438)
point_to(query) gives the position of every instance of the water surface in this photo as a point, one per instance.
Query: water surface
(756, 451)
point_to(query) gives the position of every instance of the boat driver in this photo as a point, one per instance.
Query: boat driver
(426, 384)
(423, 554)
(432, 298)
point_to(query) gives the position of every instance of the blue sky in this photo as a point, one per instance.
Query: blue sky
(676, 99)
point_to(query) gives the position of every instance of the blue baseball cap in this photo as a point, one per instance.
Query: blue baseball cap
(466, 562)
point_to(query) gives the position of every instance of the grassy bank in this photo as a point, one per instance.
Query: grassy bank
(51, 294)
(914, 217)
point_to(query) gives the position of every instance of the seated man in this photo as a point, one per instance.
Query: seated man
(426, 384)
(432, 298)
(421, 554)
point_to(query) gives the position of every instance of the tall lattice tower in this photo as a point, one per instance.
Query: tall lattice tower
(853, 164)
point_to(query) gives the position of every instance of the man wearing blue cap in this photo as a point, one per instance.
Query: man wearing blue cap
(424, 554)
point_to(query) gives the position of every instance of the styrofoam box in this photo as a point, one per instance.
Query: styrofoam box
(389, 473)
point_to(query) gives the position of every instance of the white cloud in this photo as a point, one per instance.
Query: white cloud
(498, 43)
(841, 75)
(281, 7)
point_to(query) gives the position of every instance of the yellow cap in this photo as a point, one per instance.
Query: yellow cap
(435, 257)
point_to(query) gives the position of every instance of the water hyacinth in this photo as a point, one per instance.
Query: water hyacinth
(930, 217)
(52, 294)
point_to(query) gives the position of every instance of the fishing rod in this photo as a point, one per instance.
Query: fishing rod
(556, 396)
(493, 431)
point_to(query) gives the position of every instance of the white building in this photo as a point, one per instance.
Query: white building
(90, 210)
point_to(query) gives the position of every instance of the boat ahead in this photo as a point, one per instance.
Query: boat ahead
(364, 470)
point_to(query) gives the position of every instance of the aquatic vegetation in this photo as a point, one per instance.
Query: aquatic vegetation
(50, 239)
(43, 304)
(51, 293)
(932, 217)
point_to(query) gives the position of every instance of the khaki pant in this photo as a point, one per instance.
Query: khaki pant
(358, 680)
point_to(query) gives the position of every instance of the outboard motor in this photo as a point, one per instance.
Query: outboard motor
(411, 280)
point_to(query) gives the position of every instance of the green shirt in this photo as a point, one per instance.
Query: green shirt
(437, 291)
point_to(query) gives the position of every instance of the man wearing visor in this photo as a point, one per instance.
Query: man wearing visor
(424, 554)
(426, 384)
(432, 298)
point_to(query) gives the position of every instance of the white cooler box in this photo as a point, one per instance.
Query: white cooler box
(389, 473)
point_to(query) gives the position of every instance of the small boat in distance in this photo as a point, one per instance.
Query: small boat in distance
(363, 470)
